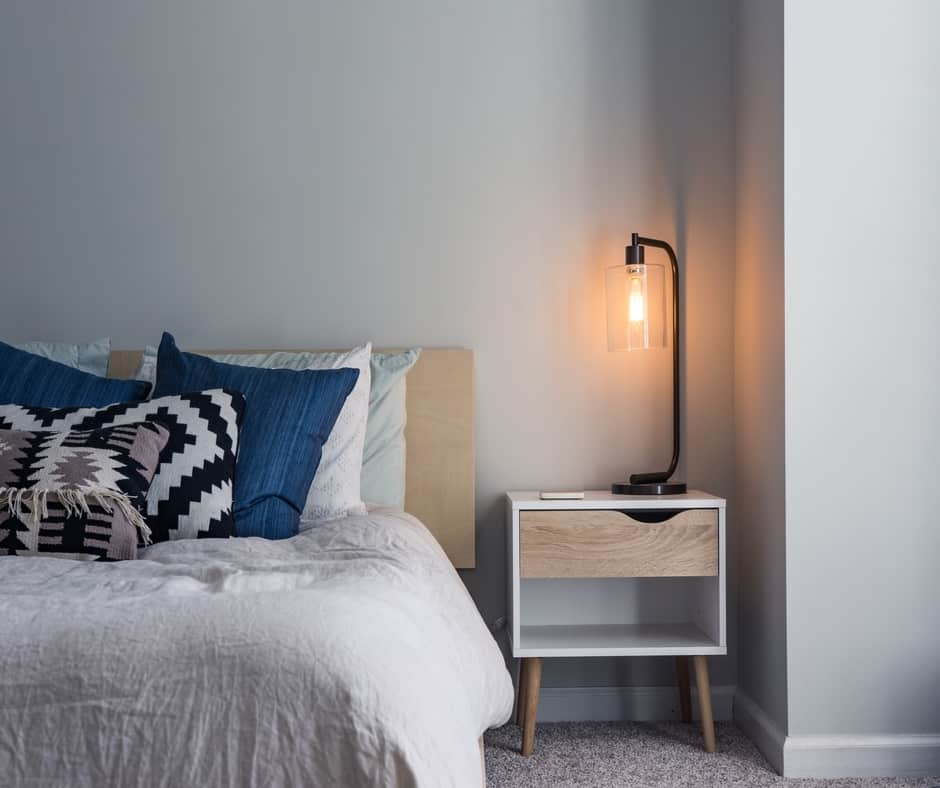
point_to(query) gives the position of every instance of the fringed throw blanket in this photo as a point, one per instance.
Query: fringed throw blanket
(77, 494)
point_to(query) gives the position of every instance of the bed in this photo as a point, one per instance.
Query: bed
(350, 654)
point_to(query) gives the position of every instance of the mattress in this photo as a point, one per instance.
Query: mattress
(348, 655)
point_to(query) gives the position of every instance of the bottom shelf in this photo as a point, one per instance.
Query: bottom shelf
(614, 640)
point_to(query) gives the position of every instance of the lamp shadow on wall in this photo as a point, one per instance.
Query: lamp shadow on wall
(647, 190)
(672, 97)
(621, 428)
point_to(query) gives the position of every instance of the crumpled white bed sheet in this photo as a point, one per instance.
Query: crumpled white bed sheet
(348, 655)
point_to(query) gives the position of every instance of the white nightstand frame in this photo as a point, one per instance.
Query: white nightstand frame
(621, 616)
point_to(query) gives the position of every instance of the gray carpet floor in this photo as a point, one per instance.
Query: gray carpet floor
(642, 754)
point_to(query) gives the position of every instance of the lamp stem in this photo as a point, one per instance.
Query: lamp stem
(661, 477)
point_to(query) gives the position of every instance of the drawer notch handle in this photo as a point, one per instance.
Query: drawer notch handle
(651, 516)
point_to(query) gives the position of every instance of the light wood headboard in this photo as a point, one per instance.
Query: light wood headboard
(440, 484)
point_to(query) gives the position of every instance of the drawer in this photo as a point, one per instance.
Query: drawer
(608, 543)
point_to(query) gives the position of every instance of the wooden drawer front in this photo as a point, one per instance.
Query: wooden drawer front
(608, 543)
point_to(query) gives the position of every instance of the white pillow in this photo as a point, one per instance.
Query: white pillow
(335, 491)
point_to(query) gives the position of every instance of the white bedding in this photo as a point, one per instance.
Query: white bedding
(349, 655)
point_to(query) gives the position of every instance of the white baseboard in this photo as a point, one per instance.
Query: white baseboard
(902, 755)
(760, 729)
(837, 757)
(643, 704)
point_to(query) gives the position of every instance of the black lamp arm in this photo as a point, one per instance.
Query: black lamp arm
(663, 476)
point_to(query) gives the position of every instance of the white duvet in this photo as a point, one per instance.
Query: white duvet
(349, 655)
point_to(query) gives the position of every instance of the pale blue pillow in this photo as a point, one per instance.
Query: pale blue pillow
(383, 458)
(89, 357)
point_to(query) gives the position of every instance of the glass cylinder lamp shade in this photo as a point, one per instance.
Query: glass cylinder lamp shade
(636, 306)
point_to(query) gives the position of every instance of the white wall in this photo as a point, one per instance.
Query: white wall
(862, 180)
(837, 376)
(305, 174)
(760, 480)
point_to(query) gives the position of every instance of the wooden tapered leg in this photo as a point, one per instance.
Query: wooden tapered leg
(520, 695)
(533, 683)
(685, 697)
(705, 701)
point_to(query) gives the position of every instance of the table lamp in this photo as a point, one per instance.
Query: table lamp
(636, 320)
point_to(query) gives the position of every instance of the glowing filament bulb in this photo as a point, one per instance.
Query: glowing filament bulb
(637, 302)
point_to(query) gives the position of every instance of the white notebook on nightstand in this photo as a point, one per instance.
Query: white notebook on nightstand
(561, 495)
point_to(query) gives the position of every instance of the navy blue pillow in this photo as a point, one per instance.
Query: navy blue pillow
(28, 379)
(288, 417)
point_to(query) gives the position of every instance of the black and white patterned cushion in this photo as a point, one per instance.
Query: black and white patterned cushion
(191, 493)
(77, 494)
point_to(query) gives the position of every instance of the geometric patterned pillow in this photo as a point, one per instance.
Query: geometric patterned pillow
(77, 494)
(191, 492)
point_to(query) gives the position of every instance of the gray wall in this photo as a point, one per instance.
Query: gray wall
(759, 359)
(862, 367)
(304, 174)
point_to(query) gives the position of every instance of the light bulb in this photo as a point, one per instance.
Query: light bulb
(637, 303)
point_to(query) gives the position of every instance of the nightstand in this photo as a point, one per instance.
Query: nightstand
(616, 576)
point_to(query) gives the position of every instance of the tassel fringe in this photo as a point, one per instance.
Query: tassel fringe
(75, 502)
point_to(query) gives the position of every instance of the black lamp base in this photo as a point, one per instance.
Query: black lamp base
(656, 488)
